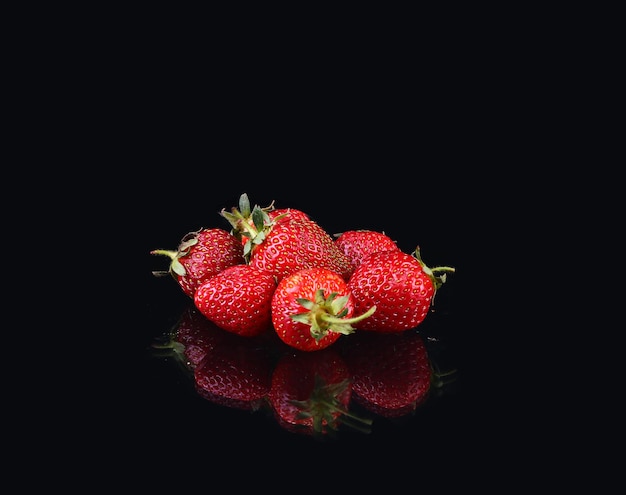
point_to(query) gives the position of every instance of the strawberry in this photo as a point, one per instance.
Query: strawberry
(238, 299)
(295, 245)
(401, 287)
(200, 255)
(356, 244)
(251, 225)
(281, 215)
(236, 373)
(285, 243)
(310, 392)
(391, 373)
(312, 308)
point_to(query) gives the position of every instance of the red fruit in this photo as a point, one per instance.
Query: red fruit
(252, 224)
(238, 299)
(296, 245)
(310, 393)
(287, 214)
(273, 217)
(286, 242)
(312, 308)
(401, 287)
(391, 373)
(201, 255)
(236, 374)
(356, 244)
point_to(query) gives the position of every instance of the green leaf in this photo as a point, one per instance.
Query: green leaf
(258, 218)
(301, 318)
(338, 304)
(244, 205)
(306, 303)
(178, 268)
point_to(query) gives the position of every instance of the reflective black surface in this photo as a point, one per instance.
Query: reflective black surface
(361, 380)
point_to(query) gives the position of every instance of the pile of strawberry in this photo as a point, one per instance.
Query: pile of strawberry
(279, 270)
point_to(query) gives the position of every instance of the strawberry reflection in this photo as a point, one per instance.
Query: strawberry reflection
(391, 373)
(236, 373)
(310, 393)
(197, 336)
(343, 387)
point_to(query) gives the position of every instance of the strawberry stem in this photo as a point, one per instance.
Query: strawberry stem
(355, 319)
(438, 281)
(249, 225)
(325, 314)
(175, 266)
(171, 254)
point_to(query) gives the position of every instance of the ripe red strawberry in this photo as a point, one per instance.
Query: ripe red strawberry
(391, 373)
(312, 308)
(236, 373)
(281, 215)
(285, 243)
(200, 255)
(310, 393)
(252, 224)
(238, 299)
(296, 245)
(401, 287)
(356, 244)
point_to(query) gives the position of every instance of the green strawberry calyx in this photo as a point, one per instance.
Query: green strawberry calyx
(327, 314)
(438, 280)
(249, 224)
(176, 268)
